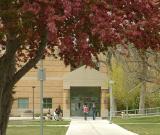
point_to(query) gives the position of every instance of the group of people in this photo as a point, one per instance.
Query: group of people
(86, 111)
(56, 115)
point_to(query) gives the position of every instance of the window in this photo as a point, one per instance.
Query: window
(47, 102)
(23, 103)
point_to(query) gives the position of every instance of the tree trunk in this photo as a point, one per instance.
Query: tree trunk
(126, 108)
(5, 108)
(143, 87)
(142, 98)
(7, 70)
(9, 77)
(114, 106)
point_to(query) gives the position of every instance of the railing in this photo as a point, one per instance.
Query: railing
(136, 112)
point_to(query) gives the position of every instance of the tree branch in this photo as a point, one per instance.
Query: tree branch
(152, 66)
(150, 81)
(31, 63)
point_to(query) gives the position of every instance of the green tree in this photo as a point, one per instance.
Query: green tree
(124, 92)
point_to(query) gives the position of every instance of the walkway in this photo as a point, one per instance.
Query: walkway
(97, 127)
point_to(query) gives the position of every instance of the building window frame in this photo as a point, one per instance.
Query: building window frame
(47, 102)
(23, 103)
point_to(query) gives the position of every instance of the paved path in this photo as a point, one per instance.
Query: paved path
(97, 127)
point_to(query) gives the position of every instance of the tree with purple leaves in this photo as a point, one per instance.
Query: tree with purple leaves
(80, 29)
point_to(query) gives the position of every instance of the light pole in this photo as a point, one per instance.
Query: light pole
(33, 87)
(41, 77)
(111, 98)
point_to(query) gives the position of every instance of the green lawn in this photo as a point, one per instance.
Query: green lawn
(143, 129)
(152, 119)
(37, 122)
(141, 126)
(26, 127)
(36, 130)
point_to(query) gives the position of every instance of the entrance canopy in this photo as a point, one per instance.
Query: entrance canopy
(85, 76)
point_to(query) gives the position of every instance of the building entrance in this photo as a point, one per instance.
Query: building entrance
(84, 95)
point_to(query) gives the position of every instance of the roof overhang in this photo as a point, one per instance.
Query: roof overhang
(85, 76)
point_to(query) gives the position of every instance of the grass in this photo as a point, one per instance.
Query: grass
(143, 129)
(152, 119)
(33, 128)
(141, 126)
(36, 130)
(37, 122)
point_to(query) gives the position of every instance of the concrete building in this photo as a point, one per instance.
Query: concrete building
(70, 89)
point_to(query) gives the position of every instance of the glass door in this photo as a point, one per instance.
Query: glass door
(84, 95)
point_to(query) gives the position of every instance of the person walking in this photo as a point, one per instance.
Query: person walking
(85, 111)
(94, 111)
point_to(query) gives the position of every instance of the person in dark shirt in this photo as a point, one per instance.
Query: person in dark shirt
(94, 111)
(59, 113)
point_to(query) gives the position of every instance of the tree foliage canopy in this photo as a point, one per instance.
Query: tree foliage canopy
(80, 28)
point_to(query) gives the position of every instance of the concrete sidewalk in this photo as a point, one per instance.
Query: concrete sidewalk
(96, 127)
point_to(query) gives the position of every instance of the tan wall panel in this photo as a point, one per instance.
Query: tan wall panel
(54, 70)
(55, 74)
(23, 84)
(48, 93)
(54, 83)
(26, 83)
(57, 95)
(57, 69)
(31, 73)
